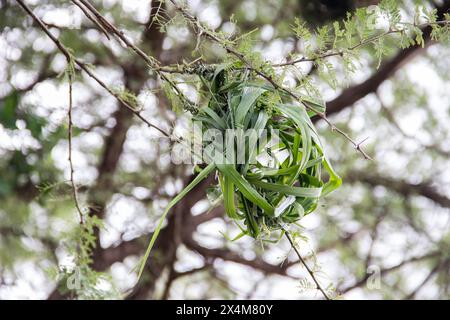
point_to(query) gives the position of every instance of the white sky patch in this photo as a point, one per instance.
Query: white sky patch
(267, 32)
(211, 16)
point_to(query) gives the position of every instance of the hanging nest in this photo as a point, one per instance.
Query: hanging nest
(278, 178)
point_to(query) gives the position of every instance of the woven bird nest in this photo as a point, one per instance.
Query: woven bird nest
(271, 170)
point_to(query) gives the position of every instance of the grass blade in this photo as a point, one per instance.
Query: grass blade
(202, 175)
(245, 188)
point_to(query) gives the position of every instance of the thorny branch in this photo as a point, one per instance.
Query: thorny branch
(310, 271)
(106, 27)
(362, 43)
(203, 31)
(152, 63)
(86, 69)
(91, 18)
(70, 136)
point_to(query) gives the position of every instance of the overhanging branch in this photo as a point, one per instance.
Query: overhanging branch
(351, 95)
(402, 187)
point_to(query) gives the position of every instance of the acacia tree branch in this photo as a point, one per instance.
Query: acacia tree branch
(402, 187)
(392, 120)
(91, 18)
(351, 95)
(70, 138)
(228, 255)
(310, 271)
(385, 271)
(86, 69)
(134, 80)
(425, 281)
(201, 30)
(362, 43)
(151, 62)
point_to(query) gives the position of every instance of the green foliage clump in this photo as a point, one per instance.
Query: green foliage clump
(82, 281)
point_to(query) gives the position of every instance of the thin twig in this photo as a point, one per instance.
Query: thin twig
(341, 52)
(203, 31)
(85, 68)
(150, 61)
(392, 120)
(362, 281)
(306, 59)
(311, 273)
(425, 281)
(69, 137)
(88, 15)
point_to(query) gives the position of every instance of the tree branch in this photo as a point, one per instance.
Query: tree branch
(85, 68)
(384, 271)
(310, 271)
(351, 95)
(201, 30)
(228, 255)
(402, 187)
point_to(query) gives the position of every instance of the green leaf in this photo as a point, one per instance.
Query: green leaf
(298, 115)
(249, 96)
(288, 190)
(334, 182)
(202, 175)
(268, 172)
(227, 187)
(245, 188)
(217, 120)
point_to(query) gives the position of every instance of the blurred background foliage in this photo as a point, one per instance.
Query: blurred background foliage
(389, 221)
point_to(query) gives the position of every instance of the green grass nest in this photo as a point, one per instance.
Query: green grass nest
(261, 199)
